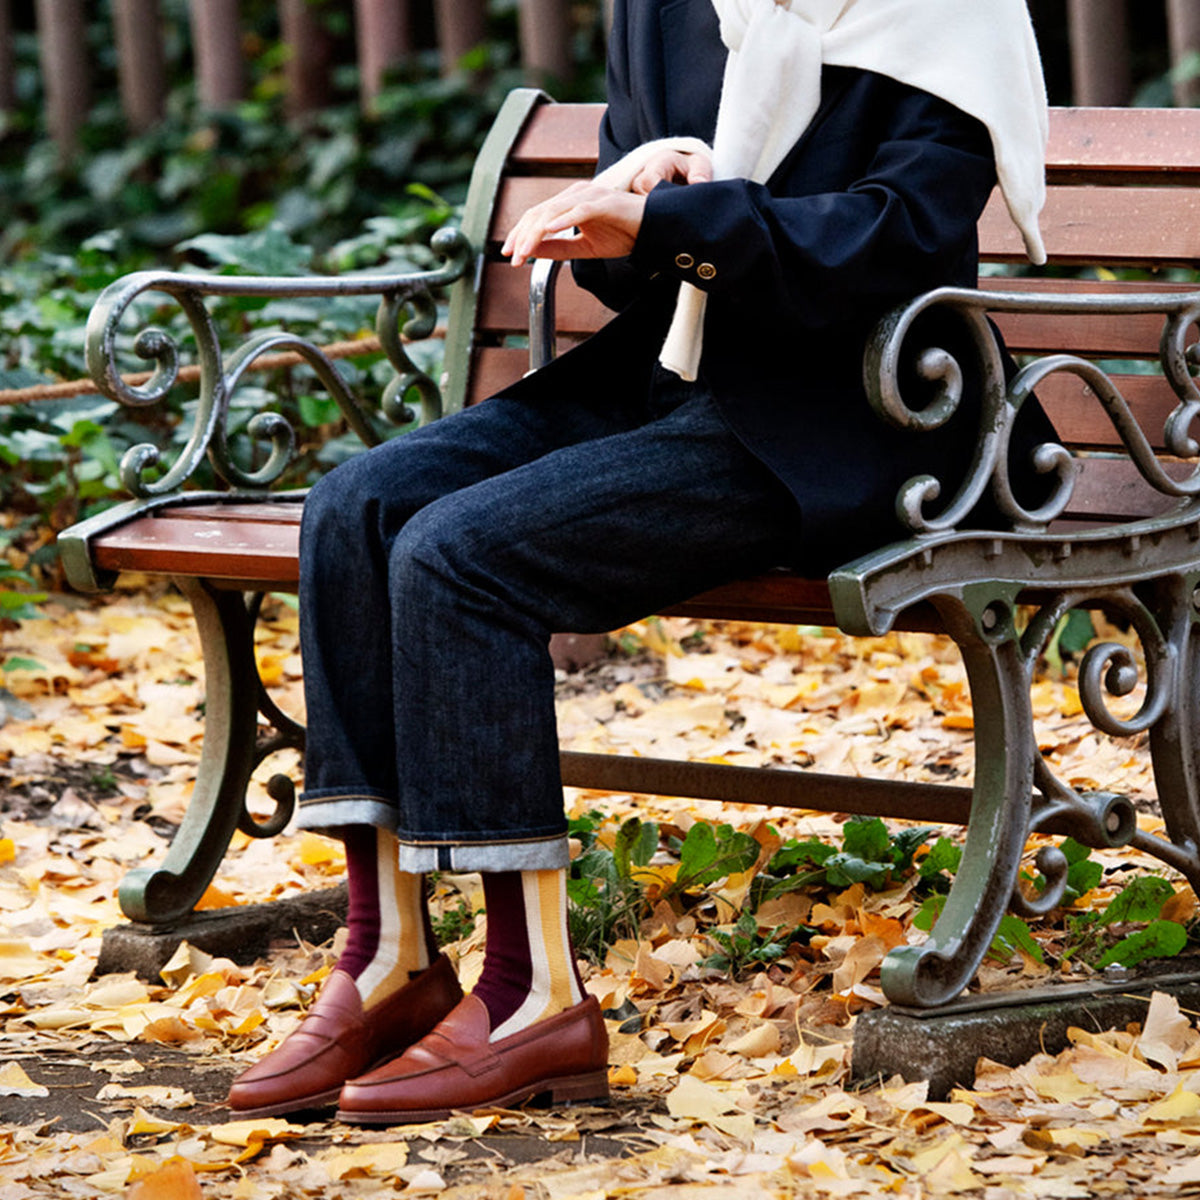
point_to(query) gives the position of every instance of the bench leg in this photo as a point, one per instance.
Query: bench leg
(233, 695)
(936, 971)
(1175, 736)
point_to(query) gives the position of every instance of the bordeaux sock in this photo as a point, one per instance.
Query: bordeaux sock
(529, 970)
(390, 935)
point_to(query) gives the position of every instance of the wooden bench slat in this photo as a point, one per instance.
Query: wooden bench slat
(1081, 422)
(1096, 336)
(259, 548)
(1116, 226)
(258, 544)
(236, 513)
(504, 310)
(504, 304)
(1110, 489)
(1109, 225)
(1124, 142)
(521, 192)
(559, 133)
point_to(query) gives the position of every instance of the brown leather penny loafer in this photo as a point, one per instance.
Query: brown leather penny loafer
(456, 1068)
(337, 1041)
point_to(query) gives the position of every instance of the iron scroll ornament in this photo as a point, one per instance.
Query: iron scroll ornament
(406, 309)
(1002, 400)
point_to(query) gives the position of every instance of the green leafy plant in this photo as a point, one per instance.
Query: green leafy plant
(604, 902)
(18, 599)
(707, 854)
(871, 854)
(1160, 939)
(1012, 934)
(1091, 938)
(455, 923)
(619, 878)
(1082, 873)
(612, 889)
(743, 947)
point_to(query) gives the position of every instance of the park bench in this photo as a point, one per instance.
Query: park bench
(1109, 358)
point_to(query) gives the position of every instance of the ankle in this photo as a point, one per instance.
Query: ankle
(529, 970)
(390, 939)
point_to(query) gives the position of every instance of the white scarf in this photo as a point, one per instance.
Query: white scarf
(978, 55)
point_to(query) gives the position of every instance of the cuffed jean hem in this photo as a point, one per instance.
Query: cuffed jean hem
(322, 813)
(544, 854)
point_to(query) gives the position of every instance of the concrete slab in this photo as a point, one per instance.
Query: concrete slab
(943, 1045)
(242, 934)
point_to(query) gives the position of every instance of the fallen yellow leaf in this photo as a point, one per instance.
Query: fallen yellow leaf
(174, 1180)
(14, 1082)
(243, 1133)
(1180, 1105)
(375, 1158)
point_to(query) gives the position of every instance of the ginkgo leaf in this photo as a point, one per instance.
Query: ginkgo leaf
(376, 1158)
(15, 1082)
(174, 1180)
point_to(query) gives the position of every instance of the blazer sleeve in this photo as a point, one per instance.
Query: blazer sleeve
(904, 225)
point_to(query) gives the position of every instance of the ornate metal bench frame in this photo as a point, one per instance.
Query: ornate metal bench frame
(980, 582)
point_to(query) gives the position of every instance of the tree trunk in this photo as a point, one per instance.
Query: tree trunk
(546, 40)
(309, 56)
(217, 51)
(1099, 52)
(385, 37)
(1183, 17)
(8, 83)
(62, 43)
(461, 26)
(140, 64)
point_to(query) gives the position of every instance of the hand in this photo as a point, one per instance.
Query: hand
(605, 224)
(672, 166)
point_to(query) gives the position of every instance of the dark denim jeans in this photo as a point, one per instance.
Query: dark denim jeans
(434, 568)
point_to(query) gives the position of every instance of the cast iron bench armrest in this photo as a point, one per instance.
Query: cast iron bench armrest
(406, 309)
(1002, 594)
(1002, 400)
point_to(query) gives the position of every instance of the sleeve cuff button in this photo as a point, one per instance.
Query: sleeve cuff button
(706, 271)
(684, 261)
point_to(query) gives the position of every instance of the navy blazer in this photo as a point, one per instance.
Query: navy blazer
(877, 202)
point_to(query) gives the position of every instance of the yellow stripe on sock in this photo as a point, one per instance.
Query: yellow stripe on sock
(552, 905)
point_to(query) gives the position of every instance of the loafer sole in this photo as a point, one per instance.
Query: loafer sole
(325, 1099)
(565, 1089)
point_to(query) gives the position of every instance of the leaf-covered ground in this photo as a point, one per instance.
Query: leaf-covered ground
(723, 1079)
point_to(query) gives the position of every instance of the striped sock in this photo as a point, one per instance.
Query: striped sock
(529, 970)
(390, 935)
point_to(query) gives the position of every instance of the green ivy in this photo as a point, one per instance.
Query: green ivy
(244, 190)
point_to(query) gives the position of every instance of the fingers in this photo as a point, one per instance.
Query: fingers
(607, 221)
(675, 166)
(543, 219)
(562, 247)
(699, 168)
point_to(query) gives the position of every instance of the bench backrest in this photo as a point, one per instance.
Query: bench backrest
(1122, 211)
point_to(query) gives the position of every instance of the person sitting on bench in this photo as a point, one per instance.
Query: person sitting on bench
(776, 175)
